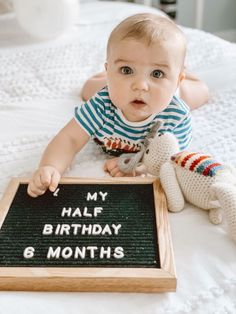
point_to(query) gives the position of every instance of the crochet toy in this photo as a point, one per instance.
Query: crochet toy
(194, 177)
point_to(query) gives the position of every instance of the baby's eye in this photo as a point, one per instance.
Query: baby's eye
(157, 73)
(126, 70)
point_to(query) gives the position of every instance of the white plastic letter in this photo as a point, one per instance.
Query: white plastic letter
(92, 197)
(54, 253)
(67, 252)
(119, 252)
(66, 211)
(116, 228)
(97, 210)
(103, 195)
(92, 249)
(47, 229)
(106, 252)
(29, 252)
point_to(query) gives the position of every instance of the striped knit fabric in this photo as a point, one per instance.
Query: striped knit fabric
(106, 124)
(197, 162)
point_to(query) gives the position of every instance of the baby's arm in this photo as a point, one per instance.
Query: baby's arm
(57, 157)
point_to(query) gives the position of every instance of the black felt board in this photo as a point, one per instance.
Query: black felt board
(131, 205)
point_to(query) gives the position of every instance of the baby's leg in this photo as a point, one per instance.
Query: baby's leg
(192, 90)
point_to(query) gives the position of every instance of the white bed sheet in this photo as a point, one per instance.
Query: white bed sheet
(39, 87)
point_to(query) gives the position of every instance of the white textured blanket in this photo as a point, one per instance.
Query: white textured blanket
(39, 87)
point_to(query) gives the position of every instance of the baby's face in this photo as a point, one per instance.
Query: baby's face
(142, 79)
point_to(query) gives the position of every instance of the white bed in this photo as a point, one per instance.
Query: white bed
(39, 87)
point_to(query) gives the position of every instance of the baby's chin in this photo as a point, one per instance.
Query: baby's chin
(138, 116)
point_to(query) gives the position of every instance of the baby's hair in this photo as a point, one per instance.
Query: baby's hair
(149, 28)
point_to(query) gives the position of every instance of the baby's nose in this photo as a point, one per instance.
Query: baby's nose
(140, 84)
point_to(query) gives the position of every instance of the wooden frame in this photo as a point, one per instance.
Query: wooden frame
(92, 278)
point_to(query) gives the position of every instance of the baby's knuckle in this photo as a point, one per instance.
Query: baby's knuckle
(45, 181)
(32, 193)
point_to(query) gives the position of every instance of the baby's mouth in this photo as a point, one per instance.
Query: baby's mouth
(138, 102)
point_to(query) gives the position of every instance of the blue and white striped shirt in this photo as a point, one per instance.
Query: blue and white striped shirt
(108, 127)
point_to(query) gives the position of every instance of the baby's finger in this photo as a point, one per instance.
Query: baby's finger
(54, 181)
(108, 167)
(119, 174)
(30, 191)
(36, 181)
(122, 174)
(131, 174)
(45, 178)
(113, 172)
(105, 167)
(36, 185)
(33, 190)
(110, 164)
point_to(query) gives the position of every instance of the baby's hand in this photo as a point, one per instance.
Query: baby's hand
(45, 177)
(111, 166)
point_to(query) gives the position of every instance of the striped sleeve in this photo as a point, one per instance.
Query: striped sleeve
(183, 132)
(176, 118)
(90, 115)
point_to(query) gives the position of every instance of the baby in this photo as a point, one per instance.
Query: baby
(145, 65)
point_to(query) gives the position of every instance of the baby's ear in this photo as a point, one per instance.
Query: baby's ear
(182, 76)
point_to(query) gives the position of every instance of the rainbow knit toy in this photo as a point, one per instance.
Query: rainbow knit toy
(197, 162)
(193, 177)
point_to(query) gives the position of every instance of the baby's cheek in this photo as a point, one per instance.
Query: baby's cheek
(118, 97)
(162, 100)
(159, 105)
